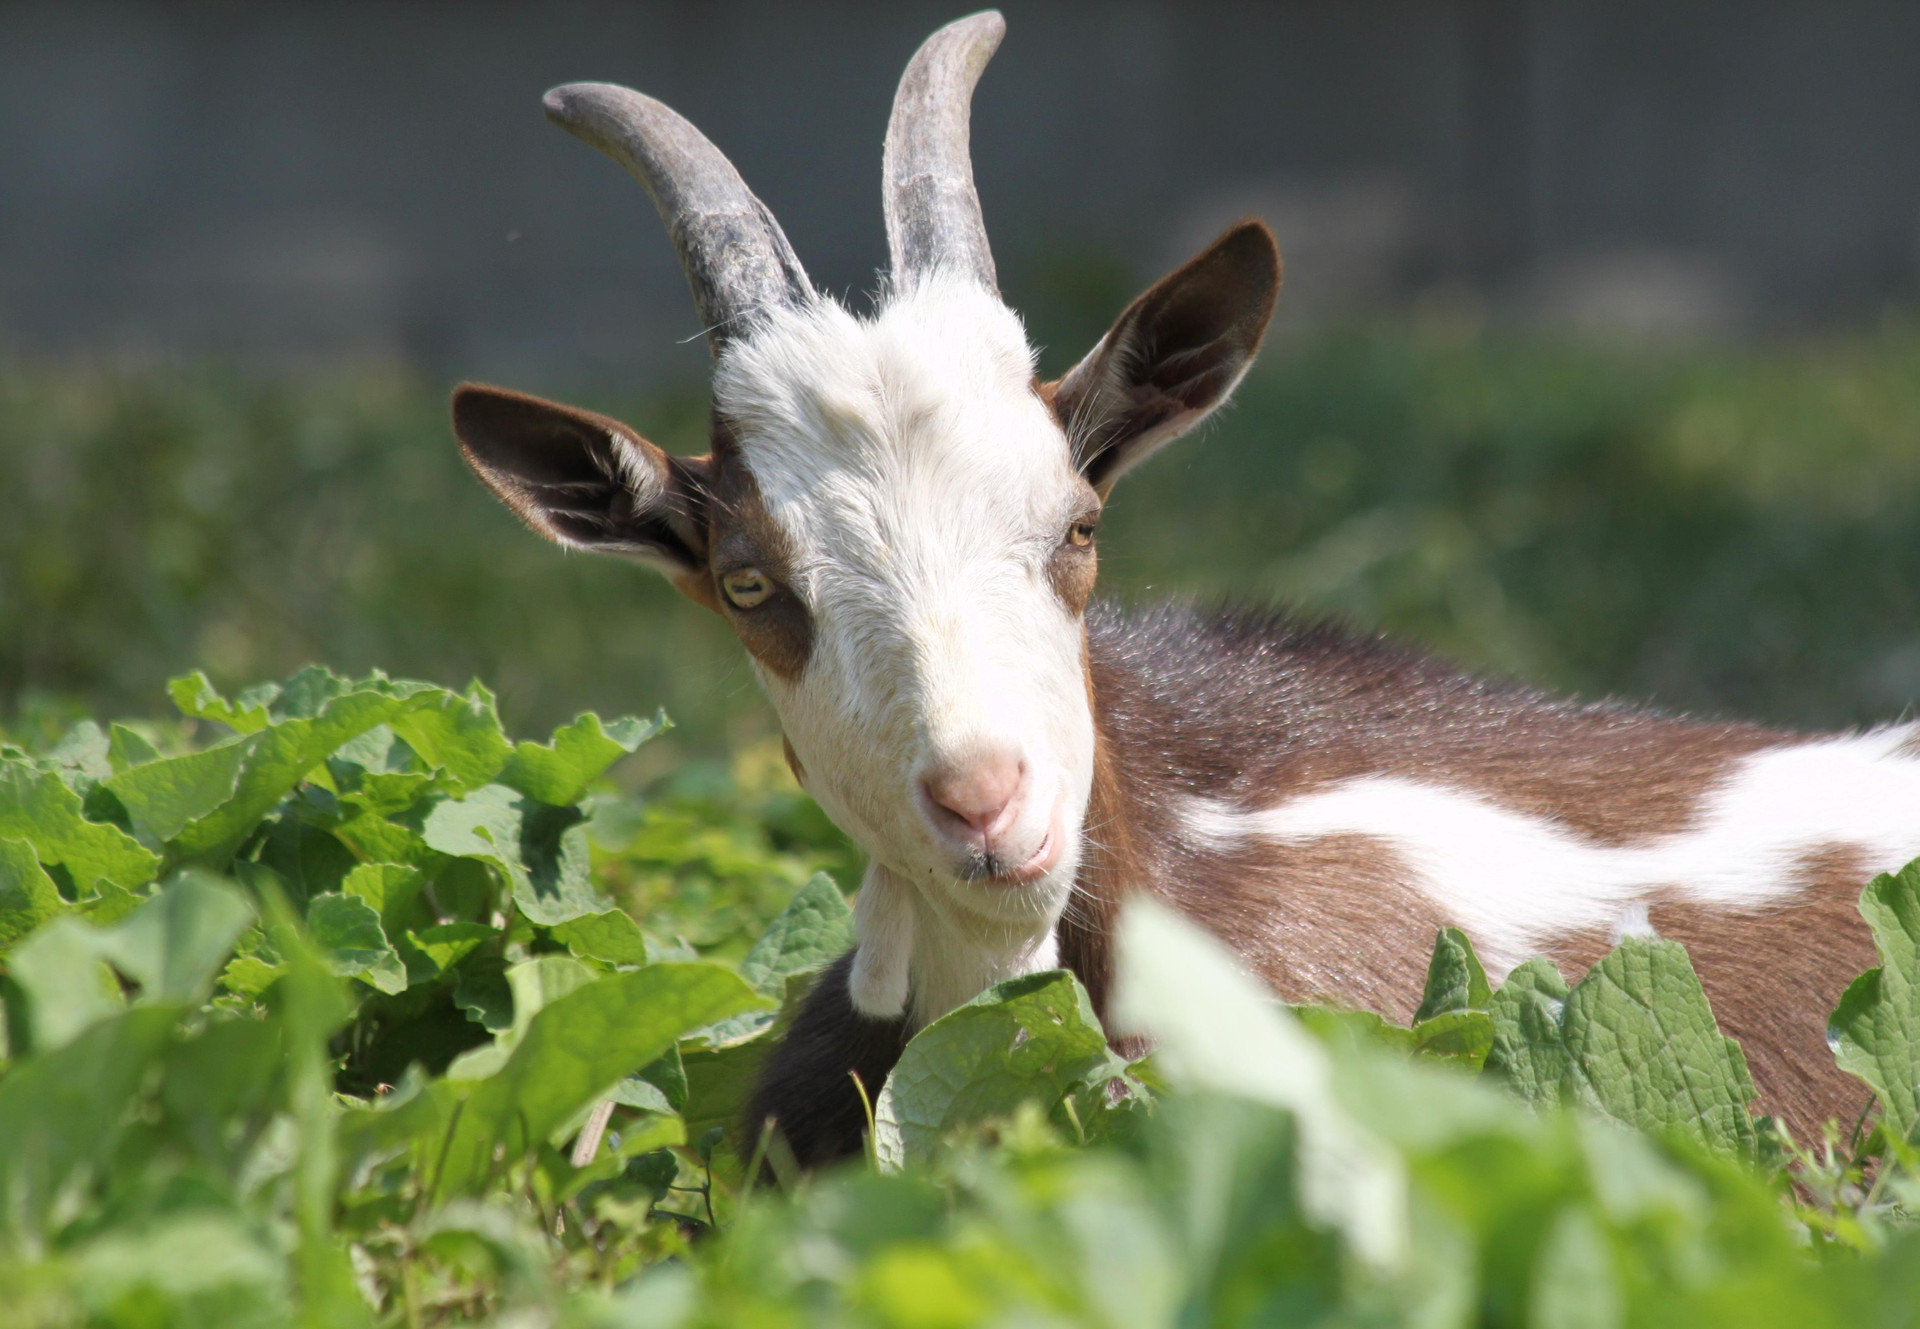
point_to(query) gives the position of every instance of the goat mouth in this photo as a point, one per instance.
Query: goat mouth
(995, 870)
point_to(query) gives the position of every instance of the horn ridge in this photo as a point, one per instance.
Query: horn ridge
(736, 258)
(932, 207)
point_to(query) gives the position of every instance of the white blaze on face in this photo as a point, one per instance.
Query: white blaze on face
(923, 487)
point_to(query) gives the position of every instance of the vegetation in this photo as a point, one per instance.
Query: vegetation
(321, 1008)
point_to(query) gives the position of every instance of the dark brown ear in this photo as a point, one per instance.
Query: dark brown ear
(584, 480)
(1172, 357)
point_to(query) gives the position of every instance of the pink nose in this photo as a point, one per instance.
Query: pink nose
(980, 795)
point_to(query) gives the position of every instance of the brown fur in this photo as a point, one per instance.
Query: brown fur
(1255, 711)
(778, 631)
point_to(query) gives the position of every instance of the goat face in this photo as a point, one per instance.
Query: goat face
(907, 555)
(896, 518)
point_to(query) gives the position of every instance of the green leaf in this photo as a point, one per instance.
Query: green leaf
(446, 944)
(1529, 1045)
(28, 897)
(660, 1087)
(814, 930)
(128, 748)
(610, 936)
(541, 850)
(1455, 980)
(197, 698)
(348, 932)
(38, 807)
(1461, 1038)
(205, 804)
(575, 1050)
(1030, 1038)
(458, 733)
(204, 1268)
(1875, 1030)
(65, 1108)
(534, 984)
(1635, 1040)
(83, 757)
(559, 772)
(173, 946)
(163, 798)
(388, 888)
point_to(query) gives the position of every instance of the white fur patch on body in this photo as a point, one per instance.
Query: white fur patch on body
(1512, 880)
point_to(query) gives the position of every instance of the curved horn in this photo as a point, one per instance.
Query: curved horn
(933, 211)
(735, 256)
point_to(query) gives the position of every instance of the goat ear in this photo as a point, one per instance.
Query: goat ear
(1172, 357)
(584, 480)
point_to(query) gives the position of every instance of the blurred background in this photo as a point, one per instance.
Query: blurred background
(1598, 361)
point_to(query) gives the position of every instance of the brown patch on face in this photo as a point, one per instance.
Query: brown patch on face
(779, 630)
(1072, 571)
(1773, 976)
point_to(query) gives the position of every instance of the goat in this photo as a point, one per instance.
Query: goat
(899, 521)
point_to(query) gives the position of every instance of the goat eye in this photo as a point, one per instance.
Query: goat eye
(1080, 534)
(746, 588)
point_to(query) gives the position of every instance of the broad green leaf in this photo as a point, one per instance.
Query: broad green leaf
(271, 762)
(203, 1267)
(1455, 980)
(660, 1087)
(1529, 1046)
(173, 946)
(28, 896)
(197, 698)
(348, 933)
(249, 975)
(559, 772)
(83, 757)
(1635, 1040)
(388, 888)
(128, 748)
(1645, 1040)
(814, 930)
(66, 1108)
(1575, 1285)
(446, 944)
(575, 1050)
(65, 982)
(542, 850)
(1218, 1030)
(458, 733)
(1875, 1030)
(1459, 1037)
(1031, 1038)
(163, 798)
(482, 992)
(534, 984)
(719, 1082)
(610, 936)
(38, 807)
(175, 943)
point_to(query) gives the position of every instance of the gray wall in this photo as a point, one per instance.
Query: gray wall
(281, 181)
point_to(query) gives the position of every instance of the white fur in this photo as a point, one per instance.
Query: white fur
(1512, 880)
(883, 921)
(923, 486)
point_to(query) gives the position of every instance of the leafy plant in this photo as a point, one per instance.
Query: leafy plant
(320, 1008)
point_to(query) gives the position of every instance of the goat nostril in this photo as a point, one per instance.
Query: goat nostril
(979, 795)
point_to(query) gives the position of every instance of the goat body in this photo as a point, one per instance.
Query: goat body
(899, 522)
(1326, 802)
